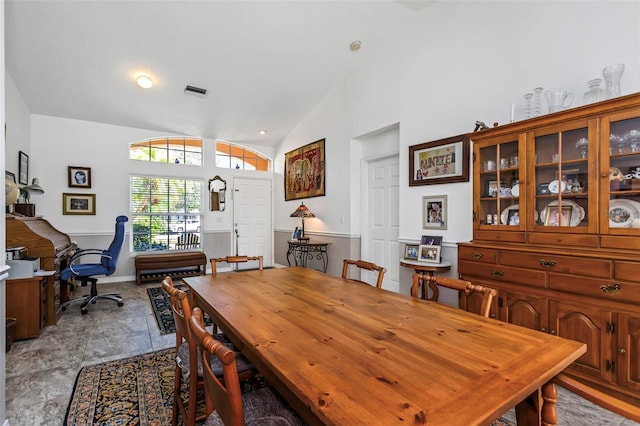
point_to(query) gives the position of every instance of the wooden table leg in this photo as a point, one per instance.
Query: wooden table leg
(539, 408)
(434, 288)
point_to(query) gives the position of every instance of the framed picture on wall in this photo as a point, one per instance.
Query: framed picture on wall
(79, 177)
(23, 168)
(304, 171)
(79, 204)
(441, 161)
(434, 212)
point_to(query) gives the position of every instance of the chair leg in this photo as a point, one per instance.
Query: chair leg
(93, 296)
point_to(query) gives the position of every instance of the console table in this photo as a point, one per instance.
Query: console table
(308, 250)
(430, 269)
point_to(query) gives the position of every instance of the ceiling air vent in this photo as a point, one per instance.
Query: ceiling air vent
(193, 90)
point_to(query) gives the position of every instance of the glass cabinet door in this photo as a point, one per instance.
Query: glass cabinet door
(561, 184)
(497, 185)
(621, 151)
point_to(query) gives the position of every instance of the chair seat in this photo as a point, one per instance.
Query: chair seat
(263, 407)
(183, 358)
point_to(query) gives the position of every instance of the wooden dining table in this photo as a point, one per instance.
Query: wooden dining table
(346, 353)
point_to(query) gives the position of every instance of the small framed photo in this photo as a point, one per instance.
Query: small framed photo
(411, 251)
(434, 212)
(555, 217)
(430, 254)
(23, 168)
(79, 177)
(431, 240)
(513, 217)
(295, 234)
(11, 176)
(81, 204)
(494, 187)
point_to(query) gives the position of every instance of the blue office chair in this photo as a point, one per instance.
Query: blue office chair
(84, 272)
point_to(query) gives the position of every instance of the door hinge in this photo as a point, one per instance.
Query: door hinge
(611, 327)
(610, 365)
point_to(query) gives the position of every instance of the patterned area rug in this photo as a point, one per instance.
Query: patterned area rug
(162, 308)
(131, 391)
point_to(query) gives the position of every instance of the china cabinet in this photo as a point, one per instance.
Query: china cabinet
(556, 230)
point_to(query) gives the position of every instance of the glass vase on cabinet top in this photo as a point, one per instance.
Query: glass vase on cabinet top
(561, 179)
(499, 185)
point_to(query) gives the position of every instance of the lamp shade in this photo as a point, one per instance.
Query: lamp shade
(302, 211)
(35, 187)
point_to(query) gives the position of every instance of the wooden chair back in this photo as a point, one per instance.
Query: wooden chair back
(234, 259)
(363, 264)
(461, 285)
(188, 241)
(181, 315)
(223, 395)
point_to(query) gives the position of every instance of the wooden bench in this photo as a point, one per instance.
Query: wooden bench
(156, 266)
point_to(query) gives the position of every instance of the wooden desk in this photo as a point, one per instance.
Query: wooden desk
(345, 353)
(429, 268)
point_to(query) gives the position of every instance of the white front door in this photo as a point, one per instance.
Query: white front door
(252, 211)
(383, 219)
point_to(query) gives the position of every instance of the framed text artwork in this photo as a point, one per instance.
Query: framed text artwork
(79, 204)
(304, 172)
(441, 161)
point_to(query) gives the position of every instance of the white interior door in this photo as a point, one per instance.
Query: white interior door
(383, 219)
(252, 215)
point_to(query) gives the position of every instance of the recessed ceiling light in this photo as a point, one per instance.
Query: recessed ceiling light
(355, 45)
(262, 132)
(144, 81)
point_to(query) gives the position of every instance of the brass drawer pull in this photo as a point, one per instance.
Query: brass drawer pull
(496, 273)
(615, 288)
(547, 263)
(476, 255)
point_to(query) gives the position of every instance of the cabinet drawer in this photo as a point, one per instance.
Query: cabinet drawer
(478, 254)
(601, 289)
(507, 237)
(626, 271)
(564, 239)
(554, 263)
(501, 273)
(615, 242)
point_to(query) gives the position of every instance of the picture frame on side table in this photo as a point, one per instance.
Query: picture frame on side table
(434, 212)
(441, 161)
(431, 240)
(23, 168)
(79, 177)
(295, 234)
(411, 251)
(78, 204)
(429, 254)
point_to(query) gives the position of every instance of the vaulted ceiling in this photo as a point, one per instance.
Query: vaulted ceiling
(264, 63)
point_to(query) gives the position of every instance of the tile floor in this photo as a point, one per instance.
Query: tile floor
(41, 372)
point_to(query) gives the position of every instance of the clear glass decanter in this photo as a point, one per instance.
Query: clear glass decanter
(528, 107)
(537, 101)
(595, 93)
(612, 76)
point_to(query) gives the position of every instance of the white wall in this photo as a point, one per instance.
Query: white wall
(18, 122)
(57, 143)
(457, 63)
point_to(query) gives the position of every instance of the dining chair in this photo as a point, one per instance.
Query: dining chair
(236, 260)
(467, 287)
(362, 264)
(225, 402)
(188, 360)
